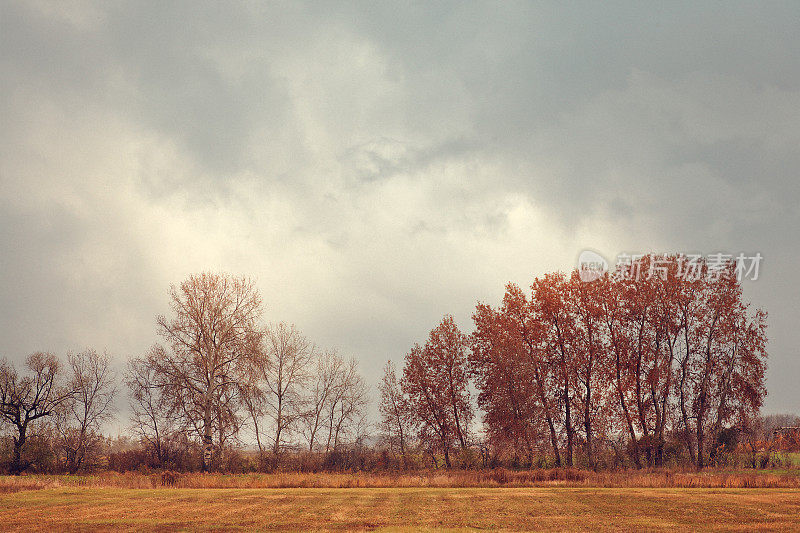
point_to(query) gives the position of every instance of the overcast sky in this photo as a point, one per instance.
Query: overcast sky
(374, 166)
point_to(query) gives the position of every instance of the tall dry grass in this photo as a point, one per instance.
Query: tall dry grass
(440, 479)
(16, 484)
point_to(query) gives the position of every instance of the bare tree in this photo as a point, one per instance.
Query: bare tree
(337, 401)
(321, 391)
(89, 405)
(212, 343)
(283, 373)
(347, 405)
(394, 411)
(254, 400)
(149, 411)
(24, 399)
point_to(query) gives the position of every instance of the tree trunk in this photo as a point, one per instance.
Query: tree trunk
(19, 441)
(207, 439)
(639, 394)
(700, 437)
(685, 418)
(458, 427)
(402, 440)
(684, 374)
(461, 438)
(587, 425)
(546, 406)
(620, 392)
(568, 423)
(567, 414)
(553, 439)
(279, 420)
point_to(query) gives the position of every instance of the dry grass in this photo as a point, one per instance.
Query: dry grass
(429, 479)
(409, 509)
(16, 484)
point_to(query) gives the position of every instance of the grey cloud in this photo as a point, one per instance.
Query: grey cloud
(376, 166)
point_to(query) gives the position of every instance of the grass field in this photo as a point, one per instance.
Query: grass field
(551, 508)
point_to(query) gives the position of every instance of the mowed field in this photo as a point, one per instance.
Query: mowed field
(409, 509)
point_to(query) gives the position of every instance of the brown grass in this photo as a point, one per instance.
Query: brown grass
(432, 479)
(15, 484)
(407, 509)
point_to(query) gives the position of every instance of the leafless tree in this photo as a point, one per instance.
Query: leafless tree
(337, 401)
(90, 404)
(212, 342)
(149, 410)
(283, 370)
(347, 406)
(394, 412)
(24, 399)
(321, 390)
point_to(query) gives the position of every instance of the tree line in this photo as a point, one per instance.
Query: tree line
(216, 371)
(658, 356)
(641, 366)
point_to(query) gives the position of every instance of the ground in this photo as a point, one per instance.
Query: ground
(551, 508)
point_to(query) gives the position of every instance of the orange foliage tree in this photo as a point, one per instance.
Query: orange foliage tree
(436, 384)
(659, 348)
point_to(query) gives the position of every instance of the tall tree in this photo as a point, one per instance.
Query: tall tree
(435, 379)
(328, 367)
(505, 375)
(212, 346)
(394, 412)
(282, 375)
(590, 363)
(725, 361)
(549, 300)
(345, 409)
(92, 387)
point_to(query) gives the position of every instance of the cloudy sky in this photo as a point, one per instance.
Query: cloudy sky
(374, 167)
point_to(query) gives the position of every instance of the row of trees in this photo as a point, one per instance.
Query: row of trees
(217, 372)
(622, 363)
(634, 364)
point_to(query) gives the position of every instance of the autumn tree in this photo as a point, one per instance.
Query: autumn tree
(25, 399)
(549, 302)
(660, 347)
(590, 363)
(725, 359)
(212, 342)
(435, 379)
(619, 348)
(510, 373)
(650, 332)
